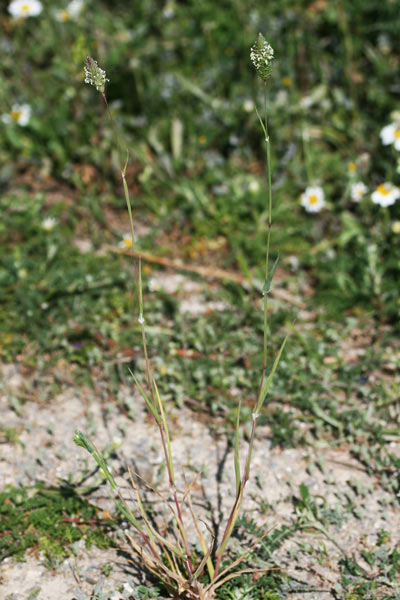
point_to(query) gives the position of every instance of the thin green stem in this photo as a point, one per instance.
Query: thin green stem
(269, 224)
(246, 473)
(138, 276)
(115, 132)
(343, 22)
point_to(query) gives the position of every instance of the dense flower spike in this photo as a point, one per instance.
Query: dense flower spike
(94, 75)
(262, 55)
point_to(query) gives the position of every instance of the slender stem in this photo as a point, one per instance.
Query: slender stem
(116, 137)
(138, 276)
(269, 225)
(246, 473)
(350, 68)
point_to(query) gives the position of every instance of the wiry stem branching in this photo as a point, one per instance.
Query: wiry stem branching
(172, 561)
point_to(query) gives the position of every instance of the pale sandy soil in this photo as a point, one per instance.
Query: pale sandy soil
(47, 453)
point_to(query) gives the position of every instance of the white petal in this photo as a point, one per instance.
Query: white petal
(387, 134)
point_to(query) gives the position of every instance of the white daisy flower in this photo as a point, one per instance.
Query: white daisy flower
(357, 191)
(49, 223)
(385, 194)
(254, 186)
(153, 285)
(126, 241)
(25, 8)
(391, 135)
(313, 199)
(19, 113)
(69, 13)
(248, 106)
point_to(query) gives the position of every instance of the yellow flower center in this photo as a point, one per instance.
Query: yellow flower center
(146, 269)
(202, 139)
(313, 199)
(351, 166)
(15, 115)
(287, 81)
(127, 242)
(65, 16)
(397, 134)
(25, 7)
(382, 189)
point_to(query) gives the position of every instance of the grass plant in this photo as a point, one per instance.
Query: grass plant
(182, 99)
(174, 562)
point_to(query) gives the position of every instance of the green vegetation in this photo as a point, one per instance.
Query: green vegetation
(183, 92)
(49, 520)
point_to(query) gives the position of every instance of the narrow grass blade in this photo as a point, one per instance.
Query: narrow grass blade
(240, 559)
(261, 122)
(128, 514)
(149, 403)
(233, 520)
(150, 530)
(128, 200)
(268, 281)
(165, 426)
(156, 567)
(268, 381)
(143, 513)
(206, 552)
(155, 491)
(236, 457)
(140, 293)
(238, 574)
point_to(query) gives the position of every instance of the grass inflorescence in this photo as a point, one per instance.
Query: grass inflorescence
(173, 560)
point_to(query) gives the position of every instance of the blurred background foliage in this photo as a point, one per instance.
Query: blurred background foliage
(183, 94)
(182, 91)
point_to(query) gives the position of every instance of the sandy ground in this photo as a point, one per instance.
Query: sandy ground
(48, 453)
